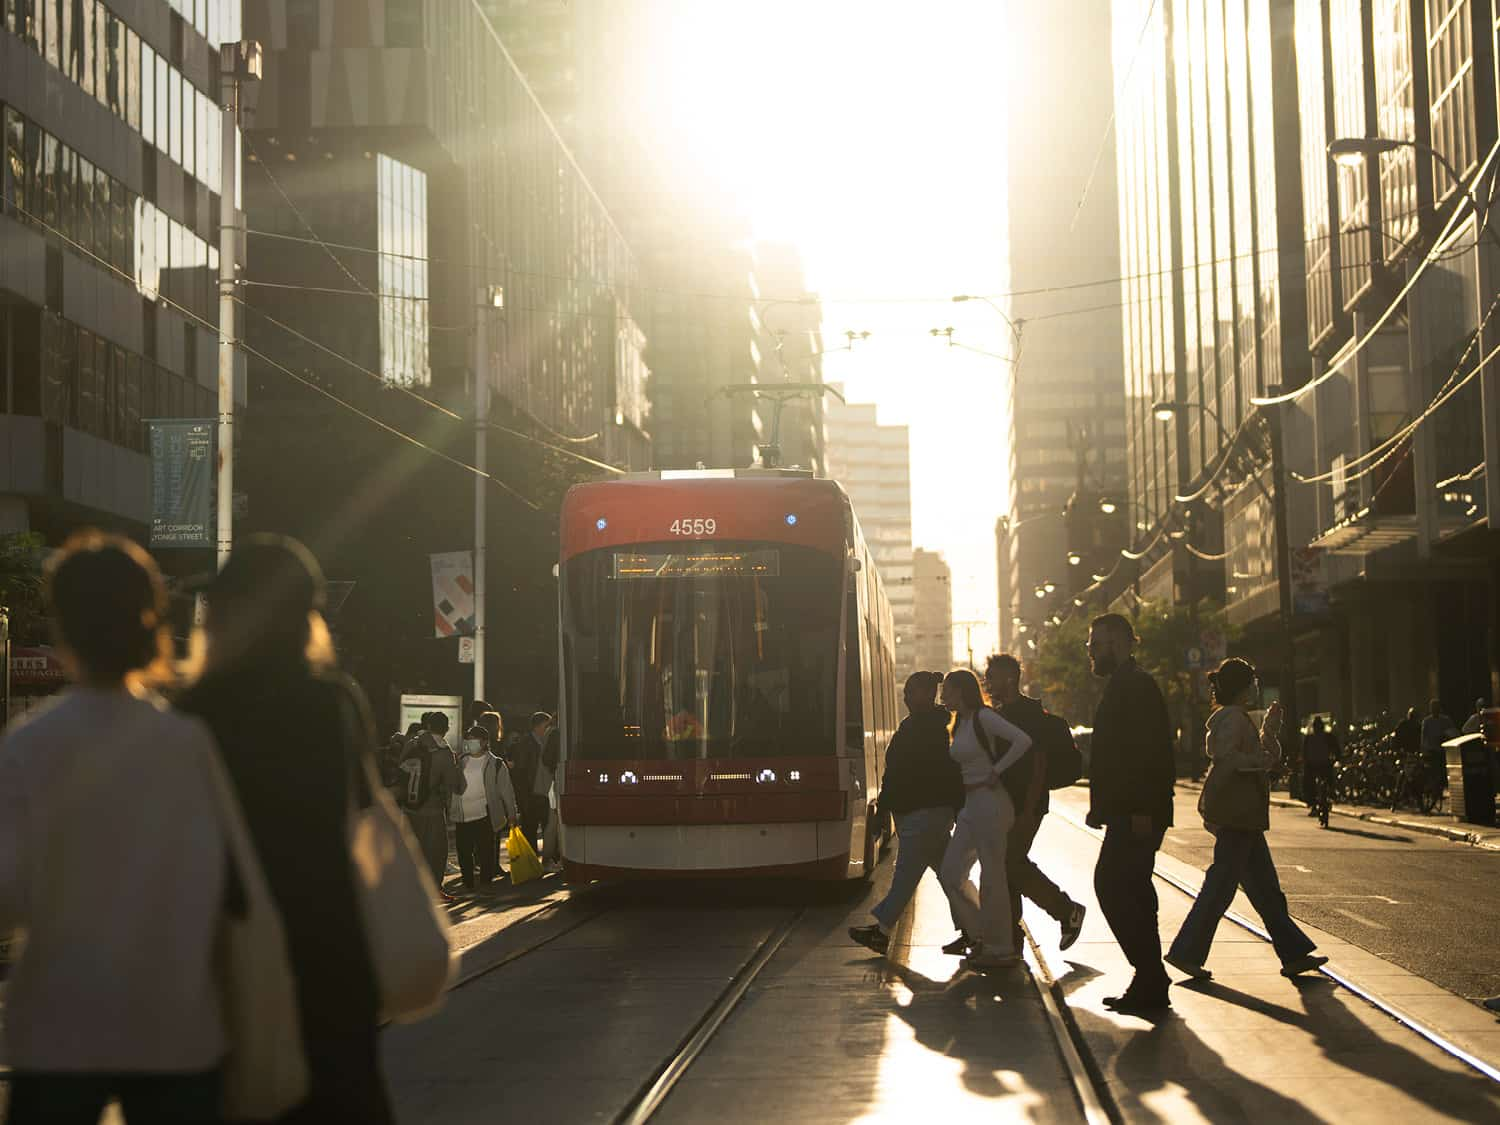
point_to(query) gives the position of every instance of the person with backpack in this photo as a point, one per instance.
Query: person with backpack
(922, 789)
(525, 764)
(1052, 753)
(487, 797)
(433, 777)
(984, 745)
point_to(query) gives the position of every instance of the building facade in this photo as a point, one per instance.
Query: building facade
(416, 222)
(110, 179)
(932, 612)
(1065, 415)
(873, 463)
(1316, 332)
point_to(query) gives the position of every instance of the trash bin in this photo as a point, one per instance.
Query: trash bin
(1471, 779)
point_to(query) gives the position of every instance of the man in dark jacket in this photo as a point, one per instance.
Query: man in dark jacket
(1130, 796)
(923, 790)
(1028, 792)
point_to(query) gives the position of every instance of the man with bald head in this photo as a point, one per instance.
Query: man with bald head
(923, 790)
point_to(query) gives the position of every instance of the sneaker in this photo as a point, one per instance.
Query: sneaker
(552, 867)
(982, 960)
(1493, 1003)
(1073, 926)
(1140, 1002)
(1307, 963)
(1312, 812)
(1183, 965)
(871, 937)
(960, 946)
(444, 896)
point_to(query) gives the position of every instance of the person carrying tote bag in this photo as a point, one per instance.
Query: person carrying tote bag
(1235, 805)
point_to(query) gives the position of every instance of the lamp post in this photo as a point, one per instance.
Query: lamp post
(1014, 325)
(239, 73)
(491, 301)
(1276, 497)
(1352, 152)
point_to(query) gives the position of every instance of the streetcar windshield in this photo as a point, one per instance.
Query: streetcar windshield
(701, 651)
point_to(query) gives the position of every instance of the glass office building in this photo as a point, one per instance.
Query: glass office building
(109, 183)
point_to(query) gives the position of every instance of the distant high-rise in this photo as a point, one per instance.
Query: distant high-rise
(932, 611)
(1065, 407)
(873, 463)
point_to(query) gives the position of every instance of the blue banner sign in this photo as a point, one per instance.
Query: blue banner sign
(182, 482)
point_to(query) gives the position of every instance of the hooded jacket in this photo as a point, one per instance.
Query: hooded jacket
(919, 774)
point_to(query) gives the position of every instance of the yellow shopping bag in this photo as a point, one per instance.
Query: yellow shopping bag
(524, 865)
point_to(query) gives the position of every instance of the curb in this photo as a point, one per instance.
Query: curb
(1456, 834)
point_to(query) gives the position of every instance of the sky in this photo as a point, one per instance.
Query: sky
(870, 135)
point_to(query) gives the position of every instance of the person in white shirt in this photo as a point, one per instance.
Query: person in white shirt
(487, 803)
(112, 864)
(985, 745)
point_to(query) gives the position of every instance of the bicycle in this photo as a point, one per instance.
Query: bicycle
(1321, 797)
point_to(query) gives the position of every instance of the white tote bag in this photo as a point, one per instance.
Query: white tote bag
(265, 1073)
(406, 933)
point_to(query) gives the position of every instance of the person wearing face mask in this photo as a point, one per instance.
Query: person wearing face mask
(486, 801)
(1235, 805)
(1131, 774)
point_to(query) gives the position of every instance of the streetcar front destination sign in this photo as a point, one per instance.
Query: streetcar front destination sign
(182, 482)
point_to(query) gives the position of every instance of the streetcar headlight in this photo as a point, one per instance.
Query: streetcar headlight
(794, 775)
(601, 523)
(791, 519)
(766, 777)
(629, 778)
(604, 779)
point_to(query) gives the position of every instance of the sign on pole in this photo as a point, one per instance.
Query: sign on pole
(182, 482)
(453, 594)
(466, 650)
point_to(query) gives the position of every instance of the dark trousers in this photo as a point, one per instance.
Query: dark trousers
(1241, 859)
(145, 1099)
(348, 1087)
(534, 810)
(1126, 894)
(1024, 877)
(475, 841)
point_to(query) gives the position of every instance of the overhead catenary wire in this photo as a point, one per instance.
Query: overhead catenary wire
(211, 327)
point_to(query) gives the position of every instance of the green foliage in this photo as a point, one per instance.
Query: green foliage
(21, 555)
(1061, 675)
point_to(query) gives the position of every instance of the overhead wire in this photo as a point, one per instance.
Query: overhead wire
(245, 346)
(1109, 126)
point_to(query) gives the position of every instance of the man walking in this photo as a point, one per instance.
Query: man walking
(1028, 792)
(435, 777)
(922, 789)
(1437, 728)
(526, 760)
(1130, 797)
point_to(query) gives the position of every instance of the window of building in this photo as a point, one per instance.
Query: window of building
(401, 220)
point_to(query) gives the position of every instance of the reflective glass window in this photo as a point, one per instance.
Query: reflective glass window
(174, 114)
(16, 197)
(66, 170)
(132, 74)
(189, 128)
(146, 78)
(83, 52)
(85, 413)
(114, 64)
(51, 29)
(206, 156)
(83, 189)
(68, 36)
(101, 51)
(35, 173)
(163, 105)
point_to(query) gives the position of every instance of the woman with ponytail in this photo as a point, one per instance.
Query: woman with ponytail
(984, 745)
(1235, 805)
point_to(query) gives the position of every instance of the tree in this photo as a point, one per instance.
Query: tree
(1060, 674)
(21, 556)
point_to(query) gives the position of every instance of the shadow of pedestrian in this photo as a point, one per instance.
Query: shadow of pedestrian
(1365, 833)
(963, 1019)
(1152, 1070)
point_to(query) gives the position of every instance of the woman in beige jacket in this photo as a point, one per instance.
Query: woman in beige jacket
(1242, 758)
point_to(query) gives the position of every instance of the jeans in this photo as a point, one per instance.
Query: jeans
(980, 833)
(475, 840)
(1026, 878)
(145, 1099)
(923, 838)
(1126, 894)
(1241, 859)
(430, 826)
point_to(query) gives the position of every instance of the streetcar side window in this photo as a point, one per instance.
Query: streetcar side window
(854, 711)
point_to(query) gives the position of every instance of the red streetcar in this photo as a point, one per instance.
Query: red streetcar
(728, 687)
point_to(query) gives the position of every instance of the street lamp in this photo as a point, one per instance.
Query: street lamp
(1075, 559)
(1014, 325)
(1108, 506)
(1352, 152)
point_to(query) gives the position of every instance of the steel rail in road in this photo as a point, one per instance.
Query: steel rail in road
(656, 1091)
(1088, 1084)
(1378, 1003)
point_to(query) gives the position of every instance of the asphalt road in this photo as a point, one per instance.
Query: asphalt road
(1429, 905)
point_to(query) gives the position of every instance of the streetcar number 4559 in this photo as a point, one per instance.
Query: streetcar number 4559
(694, 527)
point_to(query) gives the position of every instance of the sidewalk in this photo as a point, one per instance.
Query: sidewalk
(1440, 824)
(1251, 1045)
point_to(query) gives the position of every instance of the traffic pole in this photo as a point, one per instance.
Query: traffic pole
(481, 462)
(229, 174)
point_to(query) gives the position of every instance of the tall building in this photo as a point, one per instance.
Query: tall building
(402, 180)
(1215, 313)
(873, 463)
(1065, 410)
(698, 296)
(1398, 466)
(109, 131)
(932, 612)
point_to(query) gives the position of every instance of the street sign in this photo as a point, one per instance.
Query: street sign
(182, 482)
(466, 650)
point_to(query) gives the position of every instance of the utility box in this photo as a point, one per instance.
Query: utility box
(1471, 778)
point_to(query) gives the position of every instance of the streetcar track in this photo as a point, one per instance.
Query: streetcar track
(655, 1091)
(1379, 1003)
(1088, 1083)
